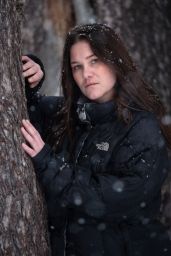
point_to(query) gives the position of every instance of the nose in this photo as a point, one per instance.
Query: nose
(87, 72)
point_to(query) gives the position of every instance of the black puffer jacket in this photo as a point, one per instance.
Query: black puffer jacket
(106, 202)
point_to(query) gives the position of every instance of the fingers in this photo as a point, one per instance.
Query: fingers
(28, 63)
(27, 136)
(33, 79)
(28, 150)
(32, 71)
(25, 58)
(33, 138)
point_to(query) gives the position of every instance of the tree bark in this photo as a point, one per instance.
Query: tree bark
(23, 227)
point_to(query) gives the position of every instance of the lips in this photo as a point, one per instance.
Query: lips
(90, 84)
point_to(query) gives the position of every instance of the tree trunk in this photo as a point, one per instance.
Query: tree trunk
(23, 229)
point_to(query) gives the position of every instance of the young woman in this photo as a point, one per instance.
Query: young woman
(100, 151)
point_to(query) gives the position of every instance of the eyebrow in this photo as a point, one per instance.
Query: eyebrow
(88, 57)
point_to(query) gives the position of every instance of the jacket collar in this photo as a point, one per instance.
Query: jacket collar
(93, 113)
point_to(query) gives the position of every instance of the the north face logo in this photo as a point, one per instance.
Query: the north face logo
(103, 146)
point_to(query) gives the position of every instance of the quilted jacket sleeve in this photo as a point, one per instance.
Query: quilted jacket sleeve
(117, 193)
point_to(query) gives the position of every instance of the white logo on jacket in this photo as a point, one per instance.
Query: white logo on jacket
(103, 146)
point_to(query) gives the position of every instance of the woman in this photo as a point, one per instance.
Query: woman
(106, 158)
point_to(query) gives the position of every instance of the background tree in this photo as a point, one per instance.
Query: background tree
(22, 214)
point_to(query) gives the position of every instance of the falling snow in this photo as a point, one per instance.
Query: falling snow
(118, 186)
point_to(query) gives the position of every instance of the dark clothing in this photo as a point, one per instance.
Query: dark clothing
(106, 201)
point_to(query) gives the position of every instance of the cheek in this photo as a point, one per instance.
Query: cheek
(75, 78)
(78, 78)
(109, 80)
(108, 75)
(112, 78)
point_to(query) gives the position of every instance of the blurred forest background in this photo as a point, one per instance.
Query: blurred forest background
(144, 26)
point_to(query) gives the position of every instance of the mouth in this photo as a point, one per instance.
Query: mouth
(90, 84)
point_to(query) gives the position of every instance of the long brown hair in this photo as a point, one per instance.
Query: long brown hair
(132, 92)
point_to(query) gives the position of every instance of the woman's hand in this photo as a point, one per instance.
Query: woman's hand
(32, 71)
(33, 138)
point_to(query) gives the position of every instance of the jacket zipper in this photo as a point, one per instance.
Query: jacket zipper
(82, 143)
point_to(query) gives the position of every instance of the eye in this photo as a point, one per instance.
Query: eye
(94, 61)
(76, 67)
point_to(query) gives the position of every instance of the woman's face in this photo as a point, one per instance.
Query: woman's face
(95, 79)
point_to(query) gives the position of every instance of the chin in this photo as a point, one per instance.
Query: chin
(93, 97)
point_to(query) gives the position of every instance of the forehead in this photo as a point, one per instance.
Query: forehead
(80, 50)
